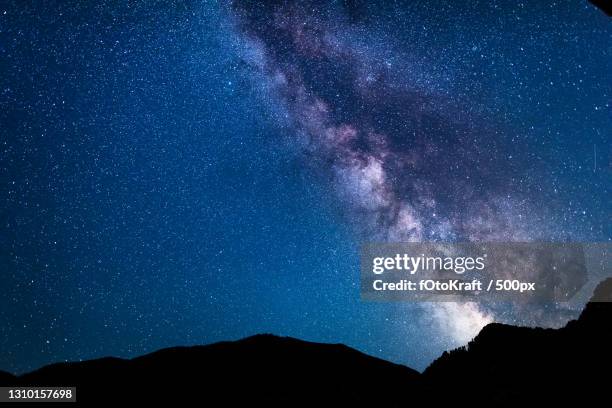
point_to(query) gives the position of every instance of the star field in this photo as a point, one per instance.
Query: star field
(187, 172)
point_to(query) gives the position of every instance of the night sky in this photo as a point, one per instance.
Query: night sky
(176, 173)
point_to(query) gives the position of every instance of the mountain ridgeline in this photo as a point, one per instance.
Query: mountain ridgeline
(504, 365)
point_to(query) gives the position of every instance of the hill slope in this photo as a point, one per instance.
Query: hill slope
(513, 363)
(503, 365)
(263, 368)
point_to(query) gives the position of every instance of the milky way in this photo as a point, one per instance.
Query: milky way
(409, 160)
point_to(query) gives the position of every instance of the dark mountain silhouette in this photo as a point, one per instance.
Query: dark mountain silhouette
(263, 368)
(512, 364)
(503, 365)
(6, 378)
(604, 5)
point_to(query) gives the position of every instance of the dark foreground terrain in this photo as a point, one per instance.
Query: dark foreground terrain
(503, 365)
(604, 5)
